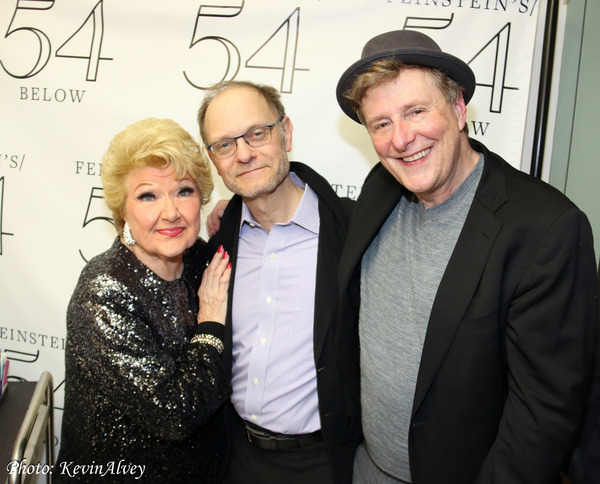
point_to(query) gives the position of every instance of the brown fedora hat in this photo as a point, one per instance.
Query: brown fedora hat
(412, 48)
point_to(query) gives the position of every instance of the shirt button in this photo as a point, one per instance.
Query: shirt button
(254, 417)
(269, 299)
(255, 381)
(263, 341)
(272, 256)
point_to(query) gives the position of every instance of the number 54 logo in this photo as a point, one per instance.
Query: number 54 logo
(285, 35)
(31, 47)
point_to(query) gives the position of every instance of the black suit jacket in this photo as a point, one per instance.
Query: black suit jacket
(506, 358)
(586, 460)
(334, 216)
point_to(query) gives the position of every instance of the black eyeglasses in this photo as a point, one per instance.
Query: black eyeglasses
(255, 137)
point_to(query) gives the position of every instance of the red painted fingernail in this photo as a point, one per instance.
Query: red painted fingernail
(225, 255)
(229, 266)
(220, 249)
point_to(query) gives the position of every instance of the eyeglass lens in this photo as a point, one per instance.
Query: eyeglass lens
(255, 137)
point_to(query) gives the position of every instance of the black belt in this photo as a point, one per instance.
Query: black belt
(267, 440)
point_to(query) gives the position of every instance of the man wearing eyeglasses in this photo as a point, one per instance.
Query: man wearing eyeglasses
(284, 229)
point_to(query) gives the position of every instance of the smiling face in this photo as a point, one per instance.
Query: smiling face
(164, 218)
(417, 135)
(250, 172)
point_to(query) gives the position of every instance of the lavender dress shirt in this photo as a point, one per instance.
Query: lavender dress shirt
(274, 375)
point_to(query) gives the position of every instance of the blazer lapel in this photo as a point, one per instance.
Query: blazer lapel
(228, 236)
(326, 287)
(368, 217)
(462, 274)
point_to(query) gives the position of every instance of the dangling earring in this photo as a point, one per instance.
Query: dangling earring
(129, 240)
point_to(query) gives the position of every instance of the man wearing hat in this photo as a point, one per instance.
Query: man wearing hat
(477, 301)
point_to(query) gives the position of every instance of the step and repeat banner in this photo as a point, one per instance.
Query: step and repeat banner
(73, 73)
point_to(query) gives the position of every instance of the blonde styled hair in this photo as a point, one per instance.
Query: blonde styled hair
(159, 143)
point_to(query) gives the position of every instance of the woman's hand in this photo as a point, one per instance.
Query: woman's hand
(213, 289)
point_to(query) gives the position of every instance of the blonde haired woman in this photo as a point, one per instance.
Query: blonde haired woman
(143, 368)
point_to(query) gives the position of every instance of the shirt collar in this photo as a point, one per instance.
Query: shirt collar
(307, 213)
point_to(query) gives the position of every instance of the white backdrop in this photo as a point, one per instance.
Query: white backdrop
(75, 72)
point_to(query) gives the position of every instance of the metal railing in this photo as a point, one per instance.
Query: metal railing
(36, 434)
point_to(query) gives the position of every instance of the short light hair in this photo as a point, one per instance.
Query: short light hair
(269, 93)
(386, 70)
(159, 143)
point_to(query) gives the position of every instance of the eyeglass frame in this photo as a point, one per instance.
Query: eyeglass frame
(235, 138)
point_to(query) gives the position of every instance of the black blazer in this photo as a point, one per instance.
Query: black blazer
(585, 465)
(507, 354)
(334, 216)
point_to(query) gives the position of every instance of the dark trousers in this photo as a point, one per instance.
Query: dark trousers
(248, 464)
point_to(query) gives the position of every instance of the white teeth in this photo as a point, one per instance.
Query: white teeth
(418, 156)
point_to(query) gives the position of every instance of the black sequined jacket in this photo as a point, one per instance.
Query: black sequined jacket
(137, 391)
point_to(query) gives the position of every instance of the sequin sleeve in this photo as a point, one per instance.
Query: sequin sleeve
(128, 333)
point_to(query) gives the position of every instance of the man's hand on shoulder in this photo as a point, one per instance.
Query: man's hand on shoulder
(213, 221)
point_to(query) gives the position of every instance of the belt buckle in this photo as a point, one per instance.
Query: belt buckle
(261, 440)
(253, 434)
